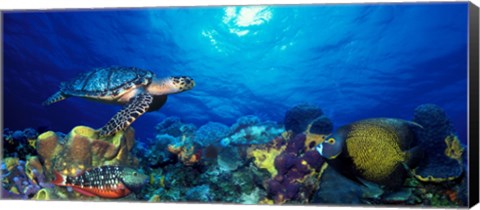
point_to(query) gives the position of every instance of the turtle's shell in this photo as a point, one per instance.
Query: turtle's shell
(112, 82)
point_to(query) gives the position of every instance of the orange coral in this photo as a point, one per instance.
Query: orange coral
(185, 151)
(175, 149)
(187, 156)
(452, 195)
(48, 147)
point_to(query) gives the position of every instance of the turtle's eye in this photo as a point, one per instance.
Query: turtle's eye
(134, 173)
(331, 141)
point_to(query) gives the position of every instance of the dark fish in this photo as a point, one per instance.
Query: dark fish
(104, 181)
(380, 150)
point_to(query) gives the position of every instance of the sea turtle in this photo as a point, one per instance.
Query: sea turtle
(138, 89)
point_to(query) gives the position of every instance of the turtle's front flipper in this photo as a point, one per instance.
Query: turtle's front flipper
(135, 107)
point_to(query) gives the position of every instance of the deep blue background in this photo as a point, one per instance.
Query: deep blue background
(354, 61)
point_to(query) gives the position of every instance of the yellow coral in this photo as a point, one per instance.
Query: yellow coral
(152, 179)
(266, 201)
(83, 131)
(313, 139)
(33, 163)
(432, 179)
(154, 198)
(32, 143)
(454, 148)
(43, 194)
(287, 134)
(10, 163)
(14, 190)
(265, 157)
(162, 181)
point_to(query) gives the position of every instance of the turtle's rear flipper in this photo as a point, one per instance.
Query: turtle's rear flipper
(56, 97)
(129, 113)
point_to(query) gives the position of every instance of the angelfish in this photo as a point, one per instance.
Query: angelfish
(104, 181)
(379, 150)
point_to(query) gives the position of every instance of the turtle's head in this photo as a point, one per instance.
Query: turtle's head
(170, 85)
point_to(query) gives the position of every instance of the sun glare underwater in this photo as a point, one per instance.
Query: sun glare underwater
(308, 104)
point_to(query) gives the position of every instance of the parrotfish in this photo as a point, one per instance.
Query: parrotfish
(104, 181)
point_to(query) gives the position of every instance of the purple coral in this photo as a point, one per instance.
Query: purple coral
(294, 165)
(298, 117)
(25, 186)
(313, 158)
(284, 162)
(297, 144)
(282, 189)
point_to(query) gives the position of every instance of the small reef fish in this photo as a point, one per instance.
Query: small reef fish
(104, 181)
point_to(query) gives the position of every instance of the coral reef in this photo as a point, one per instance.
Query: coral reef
(69, 155)
(21, 180)
(443, 150)
(198, 193)
(19, 143)
(294, 171)
(249, 130)
(244, 122)
(179, 138)
(229, 159)
(264, 155)
(251, 162)
(184, 148)
(153, 153)
(290, 159)
(82, 149)
(298, 173)
(185, 152)
(170, 126)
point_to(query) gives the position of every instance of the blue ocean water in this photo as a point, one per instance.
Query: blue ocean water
(353, 61)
